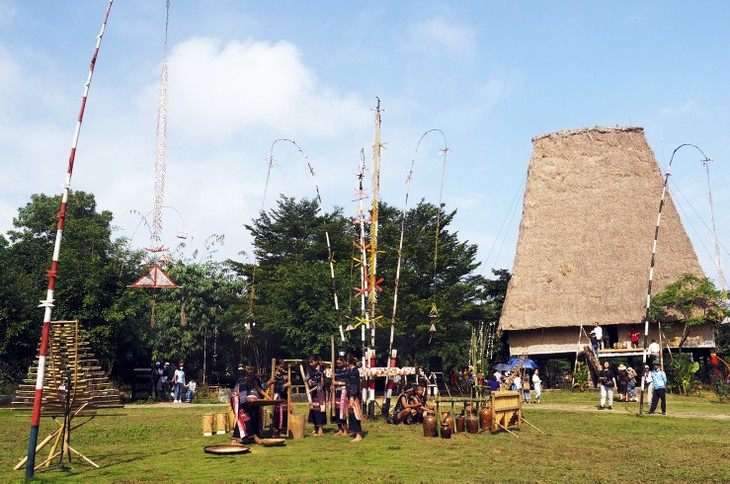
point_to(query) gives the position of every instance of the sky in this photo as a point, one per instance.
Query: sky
(489, 75)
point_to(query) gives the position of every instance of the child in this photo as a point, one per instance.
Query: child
(191, 386)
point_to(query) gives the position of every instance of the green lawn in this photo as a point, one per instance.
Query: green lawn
(153, 443)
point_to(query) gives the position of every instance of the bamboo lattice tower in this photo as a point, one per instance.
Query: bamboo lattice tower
(69, 357)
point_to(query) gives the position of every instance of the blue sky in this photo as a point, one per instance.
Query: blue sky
(490, 75)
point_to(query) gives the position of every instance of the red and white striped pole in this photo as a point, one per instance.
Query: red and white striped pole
(53, 272)
(371, 386)
(389, 387)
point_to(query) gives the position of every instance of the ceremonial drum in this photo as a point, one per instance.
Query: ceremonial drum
(207, 424)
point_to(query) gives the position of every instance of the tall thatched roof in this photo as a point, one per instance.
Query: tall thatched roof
(588, 223)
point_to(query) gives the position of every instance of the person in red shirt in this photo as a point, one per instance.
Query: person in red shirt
(634, 337)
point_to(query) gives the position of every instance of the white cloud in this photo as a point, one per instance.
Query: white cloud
(221, 89)
(438, 36)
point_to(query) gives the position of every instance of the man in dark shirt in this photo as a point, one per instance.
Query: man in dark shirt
(608, 383)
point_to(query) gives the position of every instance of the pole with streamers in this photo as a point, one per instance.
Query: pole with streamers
(52, 273)
(330, 253)
(651, 264)
(161, 158)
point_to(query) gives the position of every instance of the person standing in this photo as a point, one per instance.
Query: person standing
(339, 396)
(622, 381)
(352, 388)
(178, 383)
(648, 384)
(608, 383)
(659, 379)
(598, 333)
(634, 333)
(280, 411)
(537, 384)
(160, 382)
(526, 388)
(247, 390)
(654, 350)
(315, 380)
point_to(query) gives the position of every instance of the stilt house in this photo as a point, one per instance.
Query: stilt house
(585, 243)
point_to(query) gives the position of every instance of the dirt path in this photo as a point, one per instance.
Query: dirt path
(620, 407)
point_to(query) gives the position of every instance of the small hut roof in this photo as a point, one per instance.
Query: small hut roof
(588, 222)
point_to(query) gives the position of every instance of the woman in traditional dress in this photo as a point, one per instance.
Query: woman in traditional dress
(247, 389)
(339, 396)
(315, 381)
(280, 411)
(352, 387)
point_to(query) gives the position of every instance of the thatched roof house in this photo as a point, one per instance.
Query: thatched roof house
(584, 248)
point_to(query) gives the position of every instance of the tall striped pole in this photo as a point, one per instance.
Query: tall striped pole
(651, 266)
(47, 304)
(374, 282)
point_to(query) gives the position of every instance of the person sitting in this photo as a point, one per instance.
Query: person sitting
(421, 402)
(405, 408)
(191, 386)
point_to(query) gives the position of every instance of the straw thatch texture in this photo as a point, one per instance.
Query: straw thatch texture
(588, 223)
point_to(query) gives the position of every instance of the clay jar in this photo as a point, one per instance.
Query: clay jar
(472, 423)
(430, 425)
(447, 425)
(460, 423)
(485, 418)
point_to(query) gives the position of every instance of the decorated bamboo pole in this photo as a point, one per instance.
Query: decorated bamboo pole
(373, 281)
(161, 158)
(47, 304)
(364, 320)
(651, 264)
(330, 254)
(444, 151)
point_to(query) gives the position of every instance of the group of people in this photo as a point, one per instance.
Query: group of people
(600, 340)
(345, 405)
(170, 383)
(624, 383)
(523, 382)
(411, 406)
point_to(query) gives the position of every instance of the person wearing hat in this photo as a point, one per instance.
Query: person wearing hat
(659, 379)
(178, 383)
(608, 383)
(631, 388)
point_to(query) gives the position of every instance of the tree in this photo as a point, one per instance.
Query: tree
(294, 311)
(692, 301)
(90, 274)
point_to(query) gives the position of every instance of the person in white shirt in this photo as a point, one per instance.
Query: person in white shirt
(178, 381)
(654, 350)
(537, 384)
(598, 333)
(191, 386)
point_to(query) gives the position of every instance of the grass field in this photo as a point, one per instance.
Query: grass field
(165, 444)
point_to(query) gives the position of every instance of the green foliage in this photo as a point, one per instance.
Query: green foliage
(294, 309)
(692, 300)
(681, 374)
(580, 376)
(720, 389)
(137, 446)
